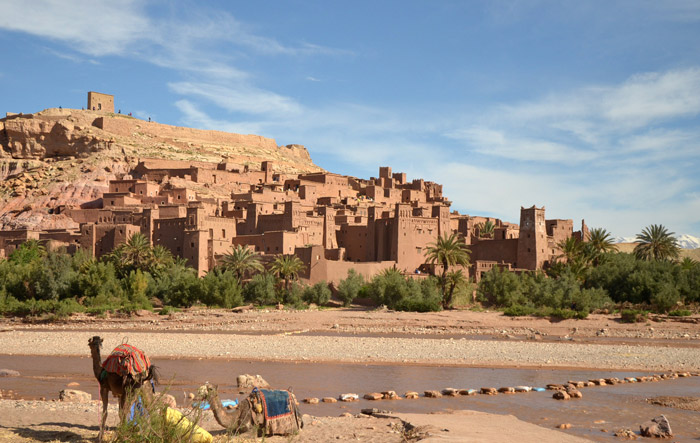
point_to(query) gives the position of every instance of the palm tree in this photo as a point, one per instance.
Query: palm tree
(601, 240)
(447, 251)
(241, 260)
(452, 280)
(571, 249)
(160, 258)
(137, 251)
(656, 243)
(30, 251)
(486, 229)
(287, 267)
(687, 264)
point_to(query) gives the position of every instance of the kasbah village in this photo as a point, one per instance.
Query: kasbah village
(254, 330)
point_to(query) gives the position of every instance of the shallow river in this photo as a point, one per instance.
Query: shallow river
(601, 411)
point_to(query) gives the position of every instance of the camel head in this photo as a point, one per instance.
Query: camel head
(95, 342)
(206, 392)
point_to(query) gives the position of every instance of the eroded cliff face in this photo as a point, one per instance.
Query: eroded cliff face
(48, 135)
(66, 157)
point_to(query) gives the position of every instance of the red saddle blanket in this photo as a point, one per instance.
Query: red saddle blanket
(127, 360)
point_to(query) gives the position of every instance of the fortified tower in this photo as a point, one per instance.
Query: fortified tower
(100, 102)
(532, 241)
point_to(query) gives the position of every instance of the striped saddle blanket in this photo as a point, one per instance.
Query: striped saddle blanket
(127, 360)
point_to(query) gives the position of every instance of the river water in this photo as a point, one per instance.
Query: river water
(600, 412)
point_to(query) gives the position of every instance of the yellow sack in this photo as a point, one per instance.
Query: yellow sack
(199, 435)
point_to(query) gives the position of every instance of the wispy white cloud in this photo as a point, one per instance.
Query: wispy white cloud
(497, 143)
(312, 79)
(92, 27)
(244, 98)
(206, 41)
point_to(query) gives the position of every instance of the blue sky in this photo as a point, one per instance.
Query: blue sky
(588, 108)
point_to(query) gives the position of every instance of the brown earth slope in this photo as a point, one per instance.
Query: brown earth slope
(67, 157)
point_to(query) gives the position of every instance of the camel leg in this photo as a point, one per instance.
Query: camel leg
(122, 407)
(104, 395)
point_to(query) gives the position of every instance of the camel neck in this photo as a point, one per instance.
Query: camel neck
(96, 361)
(221, 416)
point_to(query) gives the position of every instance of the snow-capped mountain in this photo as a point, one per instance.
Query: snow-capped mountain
(624, 239)
(685, 241)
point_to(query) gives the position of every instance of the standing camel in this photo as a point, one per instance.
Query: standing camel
(121, 384)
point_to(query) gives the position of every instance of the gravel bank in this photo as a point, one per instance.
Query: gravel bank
(360, 349)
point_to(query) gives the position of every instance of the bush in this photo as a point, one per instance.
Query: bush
(426, 298)
(151, 425)
(177, 286)
(261, 290)
(680, 313)
(518, 310)
(56, 309)
(167, 310)
(396, 292)
(633, 316)
(319, 293)
(221, 288)
(293, 297)
(349, 289)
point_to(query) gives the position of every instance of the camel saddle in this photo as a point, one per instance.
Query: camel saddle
(280, 414)
(127, 360)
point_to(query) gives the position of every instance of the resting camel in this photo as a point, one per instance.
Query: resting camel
(248, 416)
(242, 419)
(120, 386)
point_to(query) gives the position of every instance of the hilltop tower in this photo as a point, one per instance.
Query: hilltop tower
(532, 242)
(100, 102)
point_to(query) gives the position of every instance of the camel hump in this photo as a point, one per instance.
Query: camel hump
(128, 360)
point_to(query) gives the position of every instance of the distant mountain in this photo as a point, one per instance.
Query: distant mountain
(685, 241)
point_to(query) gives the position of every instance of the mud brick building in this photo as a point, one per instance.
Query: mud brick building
(332, 222)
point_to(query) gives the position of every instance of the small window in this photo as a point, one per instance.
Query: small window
(192, 244)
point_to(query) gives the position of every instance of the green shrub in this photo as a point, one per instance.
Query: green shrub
(293, 297)
(565, 314)
(349, 289)
(518, 310)
(319, 293)
(633, 316)
(177, 285)
(261, 290)
(393, 290)
(425, 298)
(152, 426)
(221, 288)
(680, 313)
(167, 310)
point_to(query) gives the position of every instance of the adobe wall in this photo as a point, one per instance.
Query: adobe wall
(495, 250)
(318, 268)
(127, 126)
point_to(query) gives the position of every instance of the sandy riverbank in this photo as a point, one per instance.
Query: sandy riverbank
(448, 338)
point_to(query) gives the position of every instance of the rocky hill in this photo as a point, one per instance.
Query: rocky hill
(66, 157)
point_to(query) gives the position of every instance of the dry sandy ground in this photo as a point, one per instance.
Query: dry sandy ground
(23, 421)
(456, 337)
